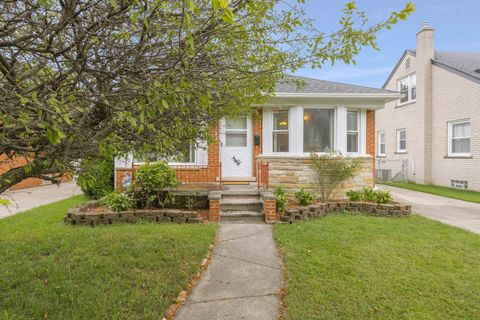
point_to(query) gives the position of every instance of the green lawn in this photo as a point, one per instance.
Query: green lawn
(465, 195)
(360, 267)
(51, 270)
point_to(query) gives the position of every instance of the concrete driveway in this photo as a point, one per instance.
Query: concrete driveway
(29, 198)
(457, 213)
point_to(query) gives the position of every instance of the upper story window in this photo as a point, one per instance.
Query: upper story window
(280, 131)
(401, 140)
(408, 87)
(407, 63)
(459, 138)
(381, 143)
(318, 130)
(352, 131)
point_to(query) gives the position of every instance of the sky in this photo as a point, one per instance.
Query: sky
(456, 24)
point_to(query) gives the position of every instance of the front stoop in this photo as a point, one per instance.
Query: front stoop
(241, 206)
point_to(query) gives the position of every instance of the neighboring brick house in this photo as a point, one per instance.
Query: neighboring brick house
(321, 116)
(435, 127)
(7, 164)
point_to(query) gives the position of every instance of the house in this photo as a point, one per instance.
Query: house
(6, 164)
(271, 148)
(432, 134)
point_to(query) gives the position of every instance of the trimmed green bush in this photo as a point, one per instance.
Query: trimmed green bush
(383, 196)
(154, 183)
(119, 201)
(368, 194)
(354, 195)
(305, 198)
(96, 178)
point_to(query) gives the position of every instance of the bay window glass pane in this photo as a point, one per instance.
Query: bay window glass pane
(317, 130)
(352, 121)
(280, 120)
(237, 123)
(236, 139)
(280, 141)
(352, 142)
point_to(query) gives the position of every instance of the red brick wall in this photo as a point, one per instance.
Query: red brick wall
(257, 130)
(195, 174)
(7, 164)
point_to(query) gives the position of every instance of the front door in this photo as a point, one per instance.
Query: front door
(236, 147)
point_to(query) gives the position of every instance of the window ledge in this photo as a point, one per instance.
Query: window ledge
(401, 152)
(405, 104)
(381, 156)
(458, 157)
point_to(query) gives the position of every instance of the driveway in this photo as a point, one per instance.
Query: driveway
(457, 213)
(29, 198)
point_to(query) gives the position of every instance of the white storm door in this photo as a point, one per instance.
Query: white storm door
(236, 147)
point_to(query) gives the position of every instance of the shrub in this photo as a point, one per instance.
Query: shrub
(118, 201)
(368, 194)
(383, 196)
(331, 170)
(155, 183)
(354, 195)
(281, 199)
(96, 177)
(305, 198)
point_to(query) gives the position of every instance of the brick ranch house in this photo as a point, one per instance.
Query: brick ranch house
(271, 148)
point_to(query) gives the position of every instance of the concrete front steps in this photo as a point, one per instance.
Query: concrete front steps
(241, 206)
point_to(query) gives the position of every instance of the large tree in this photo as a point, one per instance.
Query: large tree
(80, 79)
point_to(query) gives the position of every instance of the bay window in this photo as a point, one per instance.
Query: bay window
(352, 131)
(318, 130)
(459, 138)
(280, 131)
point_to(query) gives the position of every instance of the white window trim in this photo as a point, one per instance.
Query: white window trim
(358, 131)
(287, 131)
(398, 141)
(409, 93)
(450, 137)
(379, 143)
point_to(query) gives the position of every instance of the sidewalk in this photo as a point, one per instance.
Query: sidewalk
(243, 279)
(26, 199)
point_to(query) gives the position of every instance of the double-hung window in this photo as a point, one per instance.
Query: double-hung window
(401, 140)
(352, 131)
(459, 138)
(318, 130)
(408, 87)
(381, 143)
(280, 131)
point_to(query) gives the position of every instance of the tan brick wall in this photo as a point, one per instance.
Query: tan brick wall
(6, 164)
(296, 172)
(454, 98)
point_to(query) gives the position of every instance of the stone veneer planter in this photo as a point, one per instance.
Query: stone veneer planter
(323, 209)
(293, 173)
(83, 215)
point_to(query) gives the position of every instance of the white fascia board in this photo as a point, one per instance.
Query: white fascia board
(386, 95)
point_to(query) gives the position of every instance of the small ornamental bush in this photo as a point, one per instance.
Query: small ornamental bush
(118, 201)
(383, 196)
(154, 183)
(354, 195)
(305, 198)
(368, 194)
(281, 199)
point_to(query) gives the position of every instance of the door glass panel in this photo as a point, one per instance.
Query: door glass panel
(236, 124)
(236, 139)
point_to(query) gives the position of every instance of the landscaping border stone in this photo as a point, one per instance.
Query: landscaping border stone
(81, 215)
(323, 209)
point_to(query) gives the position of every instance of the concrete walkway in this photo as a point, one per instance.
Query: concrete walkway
(26, 199)
(457, 213)
(242, 280)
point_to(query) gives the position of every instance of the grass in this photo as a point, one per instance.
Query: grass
(465, 195)
(360, 267)
(55, 271)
